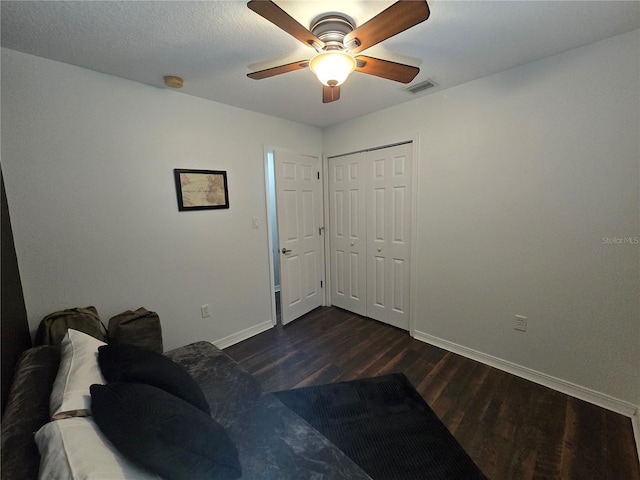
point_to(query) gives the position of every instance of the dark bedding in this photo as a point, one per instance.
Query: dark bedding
(272, 441)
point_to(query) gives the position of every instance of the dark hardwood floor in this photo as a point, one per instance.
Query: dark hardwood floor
(512, 428)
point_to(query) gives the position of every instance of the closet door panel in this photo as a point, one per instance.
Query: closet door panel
(370, 214)
(389, 233)
(347, 210)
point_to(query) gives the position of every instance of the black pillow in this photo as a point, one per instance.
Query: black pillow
(163, 433)
(134, 364)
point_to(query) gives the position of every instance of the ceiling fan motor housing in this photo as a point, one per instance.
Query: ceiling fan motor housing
(331, 29)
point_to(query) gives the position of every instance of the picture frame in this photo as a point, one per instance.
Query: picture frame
(201, 189)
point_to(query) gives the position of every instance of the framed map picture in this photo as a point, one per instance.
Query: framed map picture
(201, 189)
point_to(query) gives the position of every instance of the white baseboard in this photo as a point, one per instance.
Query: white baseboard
(243, 335)
(583, 393)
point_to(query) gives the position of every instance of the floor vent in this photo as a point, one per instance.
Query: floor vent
(419, 87)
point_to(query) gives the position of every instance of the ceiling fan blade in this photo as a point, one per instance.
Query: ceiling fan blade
(395, 19)
(386, 69)
(270, 72)
(280, 18)
(330, 94)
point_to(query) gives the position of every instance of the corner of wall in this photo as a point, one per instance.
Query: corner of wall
(635, 420)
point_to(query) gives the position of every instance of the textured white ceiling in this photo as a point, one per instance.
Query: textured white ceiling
(214, 44)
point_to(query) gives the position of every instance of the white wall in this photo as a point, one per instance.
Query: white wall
(521, 175)
(88, 165)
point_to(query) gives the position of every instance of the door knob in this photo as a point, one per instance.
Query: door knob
(285, 251)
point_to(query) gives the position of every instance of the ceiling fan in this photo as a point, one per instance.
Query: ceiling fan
(336, 39)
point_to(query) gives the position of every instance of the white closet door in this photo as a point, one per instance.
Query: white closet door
(347, 180)
(370, 212)
(389, 235)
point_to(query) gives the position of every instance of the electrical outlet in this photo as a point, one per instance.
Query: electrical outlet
(521, 323)
(204, 310)
(255, 222)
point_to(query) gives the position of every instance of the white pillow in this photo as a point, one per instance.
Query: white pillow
(75, 448)
(78, 370)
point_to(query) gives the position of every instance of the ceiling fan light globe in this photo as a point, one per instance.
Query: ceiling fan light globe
(332, 68)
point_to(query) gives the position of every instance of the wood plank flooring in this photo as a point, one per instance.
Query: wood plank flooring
(512, 428)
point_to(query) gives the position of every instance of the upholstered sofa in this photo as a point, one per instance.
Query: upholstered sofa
(272, 442)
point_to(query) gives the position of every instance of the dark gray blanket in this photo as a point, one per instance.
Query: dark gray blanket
(272, 441)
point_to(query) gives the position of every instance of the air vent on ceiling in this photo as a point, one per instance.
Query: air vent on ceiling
(419, 87)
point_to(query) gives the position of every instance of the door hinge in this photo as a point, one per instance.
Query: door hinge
(321, 284)
(318, 175)
(320, 229)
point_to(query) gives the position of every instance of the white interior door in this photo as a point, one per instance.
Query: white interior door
(347, 181)
(389, 234)
(299, 211)
(370, 214)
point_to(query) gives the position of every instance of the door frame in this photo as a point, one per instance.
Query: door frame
(269, 220)
(414, 139)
